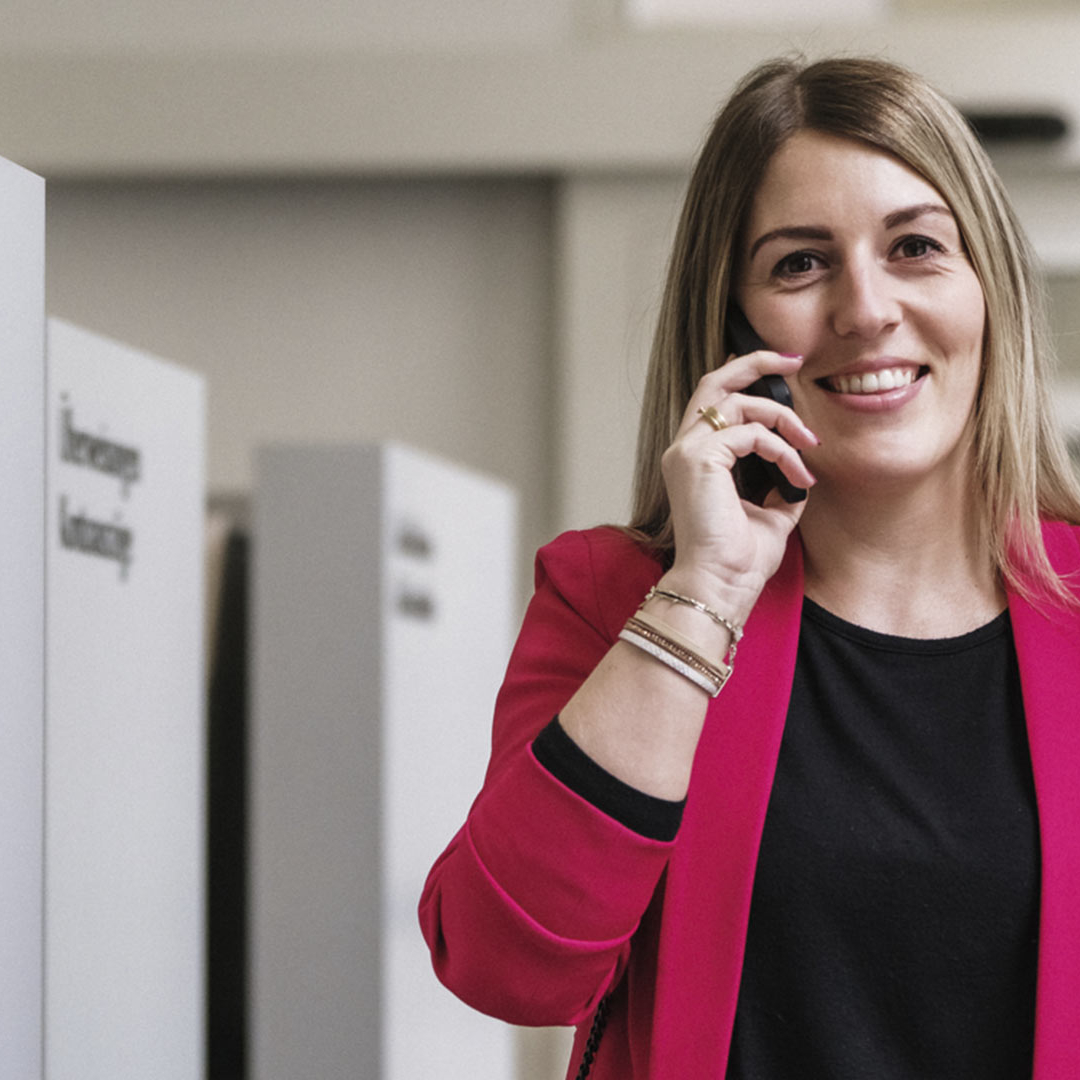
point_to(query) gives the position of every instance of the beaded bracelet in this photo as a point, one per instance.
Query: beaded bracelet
(660, 627)
(677, 654)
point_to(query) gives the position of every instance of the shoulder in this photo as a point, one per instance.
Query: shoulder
(1062, 542)
(604, 573)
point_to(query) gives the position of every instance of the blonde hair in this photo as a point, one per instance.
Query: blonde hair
(1022, 464)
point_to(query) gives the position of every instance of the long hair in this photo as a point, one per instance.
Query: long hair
(1022, 466)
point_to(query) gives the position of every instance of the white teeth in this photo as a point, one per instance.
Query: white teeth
(873, 381)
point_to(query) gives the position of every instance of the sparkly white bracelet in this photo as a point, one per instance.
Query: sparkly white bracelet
(711, 686)
(673, 643)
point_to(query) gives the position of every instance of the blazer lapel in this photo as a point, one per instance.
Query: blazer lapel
(1048, 654)
(711, 874)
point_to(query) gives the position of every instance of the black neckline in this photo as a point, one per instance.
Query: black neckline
(874, 639)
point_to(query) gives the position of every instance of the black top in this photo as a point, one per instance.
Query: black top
(894, 918)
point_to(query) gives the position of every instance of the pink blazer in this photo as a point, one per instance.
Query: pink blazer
(541, 904)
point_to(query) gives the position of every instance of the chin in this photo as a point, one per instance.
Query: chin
(874, 472)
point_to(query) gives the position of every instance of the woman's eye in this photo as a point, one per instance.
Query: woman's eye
(798, 262)
(917, 247)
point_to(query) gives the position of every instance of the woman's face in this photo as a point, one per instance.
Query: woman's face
(855, 262)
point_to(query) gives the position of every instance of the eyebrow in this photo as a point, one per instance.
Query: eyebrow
(791, 232)
(818, 232)
(910, 213)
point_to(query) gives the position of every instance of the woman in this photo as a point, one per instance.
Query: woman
(859, 856)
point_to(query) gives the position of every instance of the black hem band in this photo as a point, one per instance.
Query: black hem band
(652, 817)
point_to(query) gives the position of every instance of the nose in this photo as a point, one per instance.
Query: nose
(865, 304)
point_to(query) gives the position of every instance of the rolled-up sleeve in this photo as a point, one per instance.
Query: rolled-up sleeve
(530, 910)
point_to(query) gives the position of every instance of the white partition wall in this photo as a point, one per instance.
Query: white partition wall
(383, 611)
(124, 740)
(22, 607)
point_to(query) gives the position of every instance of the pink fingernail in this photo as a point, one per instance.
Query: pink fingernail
(792, 355)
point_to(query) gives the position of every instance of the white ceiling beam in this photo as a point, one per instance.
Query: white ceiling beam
(617, 101)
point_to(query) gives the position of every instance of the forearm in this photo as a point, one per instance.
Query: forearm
(639, 719)
(530, 910)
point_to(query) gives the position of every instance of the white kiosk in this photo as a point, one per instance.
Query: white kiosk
(383, 618)
(22, 615)
(125, 788)
(101, 691)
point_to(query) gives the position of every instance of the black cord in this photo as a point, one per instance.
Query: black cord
(592, 1043)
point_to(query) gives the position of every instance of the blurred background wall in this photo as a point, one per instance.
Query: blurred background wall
(443, 222)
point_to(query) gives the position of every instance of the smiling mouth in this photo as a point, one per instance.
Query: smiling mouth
(872, 382)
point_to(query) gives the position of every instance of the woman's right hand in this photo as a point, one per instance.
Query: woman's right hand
(726, 547)
(634, 716)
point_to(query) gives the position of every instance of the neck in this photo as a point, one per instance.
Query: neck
(909, 562)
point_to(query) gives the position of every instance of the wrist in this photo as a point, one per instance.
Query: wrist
(732, 599)
(691, 629)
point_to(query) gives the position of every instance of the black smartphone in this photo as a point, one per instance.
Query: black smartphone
(754, 476)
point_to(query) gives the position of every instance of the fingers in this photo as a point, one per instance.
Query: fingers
(722, 424)
(714, 389)
(740, 371)
(715, 450)
(738, 409)
(777, 512)
(756, 438)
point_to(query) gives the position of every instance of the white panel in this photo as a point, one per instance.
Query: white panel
(383, 600)
(448, 543)
(124, 740)
(22, 608)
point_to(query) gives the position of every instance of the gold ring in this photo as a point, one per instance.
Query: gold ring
(714, 418)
